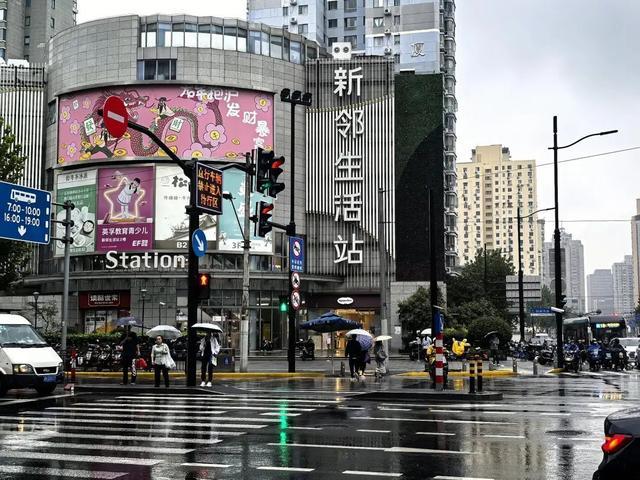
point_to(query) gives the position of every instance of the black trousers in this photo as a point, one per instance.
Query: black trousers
(165, 373)
(206, 366)
(353, 365)
(127, 363)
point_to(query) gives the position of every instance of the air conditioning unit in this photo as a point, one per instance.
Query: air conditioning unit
(294, 20)
(387, 31)
(388, 51)
(341, 51)
(387, 11)
(293, 3)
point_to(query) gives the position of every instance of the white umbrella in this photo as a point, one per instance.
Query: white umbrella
(358, 331)
(207, 326)
(382, 338)
(165, 331)
(426, 331)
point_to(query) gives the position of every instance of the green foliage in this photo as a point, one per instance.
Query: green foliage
(13, 255)
(480, 327)
(459, 333)
(81, 340)
(415, 312)
(467, 312)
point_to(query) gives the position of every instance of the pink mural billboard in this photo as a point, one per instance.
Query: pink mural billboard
(195, 121)
(125, 209)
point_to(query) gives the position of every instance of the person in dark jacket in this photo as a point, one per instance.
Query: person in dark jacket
(130, 351)
(353, 352)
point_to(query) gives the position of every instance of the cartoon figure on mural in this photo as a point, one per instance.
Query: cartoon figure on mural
(162, 110)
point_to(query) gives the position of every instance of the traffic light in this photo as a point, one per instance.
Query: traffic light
(264, 216)
(284, 303)
(267, 173)
(204, 286)
(563, 301)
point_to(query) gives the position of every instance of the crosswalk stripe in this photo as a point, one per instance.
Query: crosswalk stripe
(279, 414)
(428, 450)
(504, 436)
(205, 465)
(157, 424)
(371, 474)
(36, 399)
(373, 431)
(229, 398)
(192, 407)
(443, 434)
(286, 469)
(304, 428)
(447, 477)
(20, 443)
(27, 471)
(44, 428)
(341, 447)
(430, 420)
(125, 410)
(122, 438)
(57, 457)
(118, 416)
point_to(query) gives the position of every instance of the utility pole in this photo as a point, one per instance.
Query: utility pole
(521, 313)
(433, 273)
(382, 249)
(246, 250)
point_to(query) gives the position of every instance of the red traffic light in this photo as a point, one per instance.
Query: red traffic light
(204, 279)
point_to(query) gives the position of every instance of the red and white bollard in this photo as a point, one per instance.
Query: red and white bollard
(439, 362)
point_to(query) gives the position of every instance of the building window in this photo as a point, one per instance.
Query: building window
(350, 5)
(378, 21)
(3, 13)
(378, 3)
(204, 36)
(333, 23)
(285, 11)
(396, 39)
(254, 42)
(396, 20)
(164, 35)
(332, 40)
(52, 113)
(53, 4)
(303, 28)
(276, 46)
(353, 39)
(230, 42)
(190, 35)
(265, 43)
(27, 4)
(396, 58)
(156, 69)
(3, 53)
(27, 20)
(27, 40)
(52, 22)
(3, 34)
(378, 41)
(296, 52)
(332, 5)
(350, 23)
(396, 3)
(303, 9)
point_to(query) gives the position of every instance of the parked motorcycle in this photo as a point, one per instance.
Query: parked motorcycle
(116, 359)
(91, 356)
(104, 359)
(307, 350)
(414, 350)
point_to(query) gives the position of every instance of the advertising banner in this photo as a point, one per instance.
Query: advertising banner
(195, 121)
(172, 221)
(230, 235)
(125, 209)
(78, 187)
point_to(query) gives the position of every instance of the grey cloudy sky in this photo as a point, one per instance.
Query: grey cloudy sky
(519, 63)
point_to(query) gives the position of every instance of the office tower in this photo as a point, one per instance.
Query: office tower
(600, 291)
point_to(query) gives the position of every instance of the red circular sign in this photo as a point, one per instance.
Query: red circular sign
(115, 116)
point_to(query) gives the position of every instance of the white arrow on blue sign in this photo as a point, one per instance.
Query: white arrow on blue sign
(26, 213)
(199, 243)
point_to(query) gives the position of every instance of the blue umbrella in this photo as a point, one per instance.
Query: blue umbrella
(329, 322)
(127, 321)
(365, 341)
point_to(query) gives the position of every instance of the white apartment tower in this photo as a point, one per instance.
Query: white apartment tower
(491, 188)
(573, 281)
(623, 298)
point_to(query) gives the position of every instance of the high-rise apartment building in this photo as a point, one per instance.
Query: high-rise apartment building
(600, 291)
(573, 283)
(635, 249)
(492, 187)
(418, 34)
(623, 299)
(27, 25)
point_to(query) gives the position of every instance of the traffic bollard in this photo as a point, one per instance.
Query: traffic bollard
(479, 369)
(515, 365)
(472, 376)
(535, 365)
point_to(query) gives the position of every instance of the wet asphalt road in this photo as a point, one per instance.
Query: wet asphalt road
(546, 428)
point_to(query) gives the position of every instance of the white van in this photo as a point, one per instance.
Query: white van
(26, 361)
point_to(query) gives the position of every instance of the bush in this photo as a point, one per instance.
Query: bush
(80, 340)
(459, 333)
(480, 327)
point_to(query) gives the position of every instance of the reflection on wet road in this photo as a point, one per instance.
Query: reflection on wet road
(545, 428)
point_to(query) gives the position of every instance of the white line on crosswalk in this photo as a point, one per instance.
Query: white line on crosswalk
(444, 434)
(371, 474)
(304, 428)
(205, 465)
(554, 414)
(44, 428)
(339, 447)
(180, 406)
(125, 410)
(394, 409)
(279, 414)
(504, 436)
(37, 399)
(62, 457)
(157, 424)
(27, 471)
(20, 443)
(286, 469)
(430, 420)
(230, 398)
(433, 410)
(127, 438)
(447, 477)
(379, 449)
(154, 415)
(428, 450)
(373, 431)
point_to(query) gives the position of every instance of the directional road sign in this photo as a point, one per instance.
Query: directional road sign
(115, 115)
(295, 300)
(540, 311)
(26, 213)
(199, 243)
(296, 254)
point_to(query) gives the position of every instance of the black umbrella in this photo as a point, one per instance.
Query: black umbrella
(330, 322)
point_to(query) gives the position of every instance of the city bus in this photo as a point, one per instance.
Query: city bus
(596, 327)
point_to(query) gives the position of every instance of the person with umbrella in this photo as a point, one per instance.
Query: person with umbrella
(494, 346)
(353, 352)
(381, 356)
(209, 349)
(130, 351)
(161, 359)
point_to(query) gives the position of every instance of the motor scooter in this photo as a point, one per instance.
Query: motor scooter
(414, 350)
(307, 350)
(104, 359)
(572, 357)
(91, 356)
(593, 357)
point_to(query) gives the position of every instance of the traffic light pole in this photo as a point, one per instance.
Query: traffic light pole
(291, 231)
(192, 288)
(246, 248)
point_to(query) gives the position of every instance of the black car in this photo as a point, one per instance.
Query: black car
(621, 446)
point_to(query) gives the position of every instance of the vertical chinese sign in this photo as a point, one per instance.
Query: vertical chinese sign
(209, 189)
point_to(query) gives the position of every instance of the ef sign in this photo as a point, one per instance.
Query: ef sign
(116, 116)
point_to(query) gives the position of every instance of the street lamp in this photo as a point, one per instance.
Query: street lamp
(294, 98)
(556, 235)
(160, 305)
(521, 311)
(143, 293)
(35, 297)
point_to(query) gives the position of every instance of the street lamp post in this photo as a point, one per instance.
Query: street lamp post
(521, 312)
(559, 310)
(35, 297)
(143, 293)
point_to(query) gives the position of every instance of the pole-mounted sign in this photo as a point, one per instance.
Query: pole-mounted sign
(25, 213)
(115, 116)
(208, 189)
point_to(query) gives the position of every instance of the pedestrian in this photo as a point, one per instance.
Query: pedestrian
(426, 343)
(209, 349)
(494, 346)
(363, 360)
(352, 352)
(381, 357)
(130, 351)
(161, 360)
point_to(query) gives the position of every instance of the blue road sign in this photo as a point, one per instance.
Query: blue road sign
(26, 213)
(296, 254)
(199, 243)
(540, 311)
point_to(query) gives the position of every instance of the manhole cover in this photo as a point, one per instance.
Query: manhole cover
(566, 433)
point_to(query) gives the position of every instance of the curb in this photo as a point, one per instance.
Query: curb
(486, 374)
(220, 376)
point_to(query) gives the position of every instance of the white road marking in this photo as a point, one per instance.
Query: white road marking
(20, 444)
(554, 414)
(393, 409)
(444, 434)
(432, 410)
(228, 398)
(378, 449)
(504, 436)
(61, 457)
(341, 447)
(26, 472)
(447, 477)
(428, 450)
(156, 424)
(304, 428)
(106, 412)
(117, 416)
(287, 469)
(205, 465)
(278, 414)
(44, 428)
(180, 406)
(429, 420)
(374, 431)
(37, 399)
(124, 438)
(371, 474)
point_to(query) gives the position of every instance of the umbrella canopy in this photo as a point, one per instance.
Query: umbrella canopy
(207, 326)
(492, 332)
(358, 331)
(426, 331)
(365, 341)
(381, 338)
(127, 321)
(165, 331)
(329, 322)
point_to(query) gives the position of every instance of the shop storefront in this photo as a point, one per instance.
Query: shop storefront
(100, 310)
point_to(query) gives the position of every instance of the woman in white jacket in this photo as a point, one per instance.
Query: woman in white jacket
(209, 349)
(161, 359)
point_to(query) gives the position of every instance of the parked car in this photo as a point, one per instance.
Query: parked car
(621, 446)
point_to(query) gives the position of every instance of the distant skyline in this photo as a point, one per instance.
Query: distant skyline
(517, 66)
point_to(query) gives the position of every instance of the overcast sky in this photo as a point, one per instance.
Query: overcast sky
(519, 63)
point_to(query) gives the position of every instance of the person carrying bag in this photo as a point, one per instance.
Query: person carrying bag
(161, 361)
(209, 350)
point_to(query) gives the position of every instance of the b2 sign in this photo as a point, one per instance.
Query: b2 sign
(26, 213)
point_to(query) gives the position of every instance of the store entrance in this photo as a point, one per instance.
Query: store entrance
(365, 317)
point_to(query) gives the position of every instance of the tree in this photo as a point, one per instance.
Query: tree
(415, 313)
(13, 255)
(479, 329)
(49, 313)
(464, 314)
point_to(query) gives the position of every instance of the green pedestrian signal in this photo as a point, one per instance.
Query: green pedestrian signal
(284, 304)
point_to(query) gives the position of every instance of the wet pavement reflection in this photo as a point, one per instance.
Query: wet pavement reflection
(546, 427)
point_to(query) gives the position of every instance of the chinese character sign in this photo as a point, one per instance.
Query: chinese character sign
(196, 122)
(125, 209)
(78, 187)
(209, 189)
